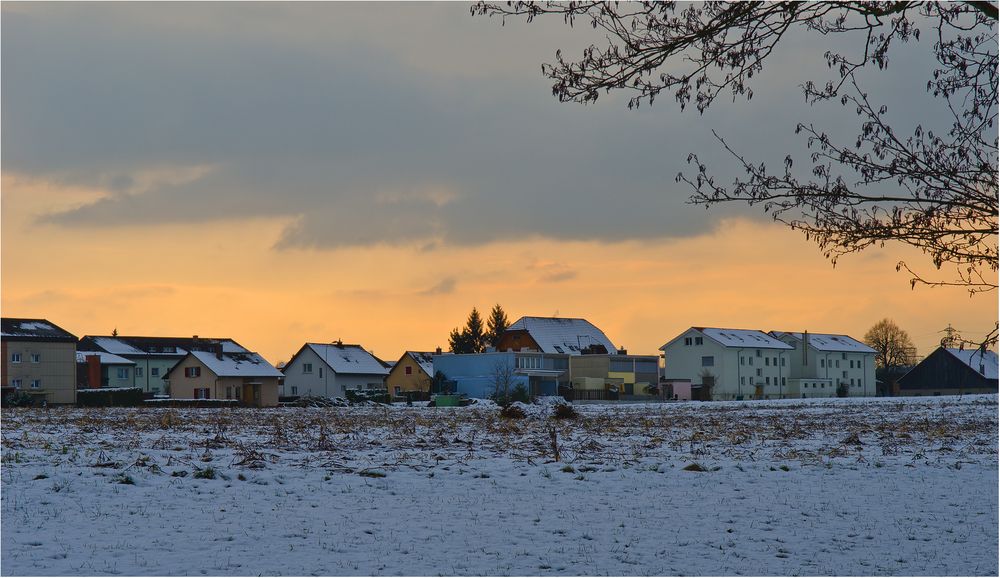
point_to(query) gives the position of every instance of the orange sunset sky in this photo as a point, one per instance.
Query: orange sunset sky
(226, 279)
(281, 173)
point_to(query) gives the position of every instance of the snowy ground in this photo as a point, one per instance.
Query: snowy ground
(856, 487)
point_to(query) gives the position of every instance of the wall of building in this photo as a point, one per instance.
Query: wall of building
(55, 370)
(735, 369)
(147, 366)
(417, 380)
(477, 375)
(319, 380)
(241, 388)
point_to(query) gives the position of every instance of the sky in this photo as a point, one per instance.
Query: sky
(283, 173)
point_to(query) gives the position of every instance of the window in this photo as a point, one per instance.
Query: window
(36, 383)
(852, 364)
(837, 361)
(767, 381)
(229, 392)
(307, 368)
(845, 374)
(759, 372)
(321, 372)
(16, 383)
(687, 341)
(843, 356)
(154, 371)
(295, 390)
(201, 393)
(767, 361)
(138, 372)
(15, 358)
(409, 370)
(822, 386)
(743, 360)
(122, 373)
(398, 389)
(822, 363)
(782, 381)
(529, 362)
(775, 362)
(758, 353)
(708, 361)
(36, 357)
(750, 361)
(698, 341)
(192, 372)
(743, 381)
(852, 381)
(782, 362)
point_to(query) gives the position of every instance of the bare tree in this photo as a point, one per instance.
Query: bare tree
(936, 192)
(893, 346)
(503, 380)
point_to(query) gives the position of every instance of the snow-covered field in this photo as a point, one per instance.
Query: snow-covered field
(857, 487)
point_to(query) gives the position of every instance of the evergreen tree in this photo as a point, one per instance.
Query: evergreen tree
(458, 342)
(474, 331)
(496, 325)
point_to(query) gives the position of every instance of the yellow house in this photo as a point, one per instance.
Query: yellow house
(246, 377)
(412, 373)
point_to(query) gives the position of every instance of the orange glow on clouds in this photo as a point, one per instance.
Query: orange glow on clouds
(226, 279)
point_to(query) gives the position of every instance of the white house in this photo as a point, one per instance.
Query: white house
(733, 363)
(330, 369)
(827, 361)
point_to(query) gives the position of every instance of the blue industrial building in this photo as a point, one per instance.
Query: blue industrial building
(480, 374)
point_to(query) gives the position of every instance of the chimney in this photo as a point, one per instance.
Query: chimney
(805, 348)
(218, 350)
(94, 371)
(622, 351)
(437, 351)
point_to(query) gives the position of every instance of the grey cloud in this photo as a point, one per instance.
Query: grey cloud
(343, 116)
(444, 287)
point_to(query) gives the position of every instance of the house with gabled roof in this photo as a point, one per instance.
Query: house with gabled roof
(556, 335)
(100, 369)
(412, 374)
(155, 356)
(245, 376)
(822, 363)
(39, 358)
(331, 369)
(950, 371)
(727, 364)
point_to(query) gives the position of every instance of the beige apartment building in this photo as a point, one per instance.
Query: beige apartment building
(39, 358)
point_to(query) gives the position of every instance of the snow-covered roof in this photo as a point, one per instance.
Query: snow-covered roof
(347, 358)
(33, 330)
(106, 358)
(737, 338)
(115, 345)
(425, 359)
(830, 342)
(984, 363)
(237, 364)
(562, 334)
(158, 346)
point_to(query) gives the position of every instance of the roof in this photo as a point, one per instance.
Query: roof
(830, 342)
(425, 359)
(742, 338)
(159, 346)
(982, 362)
(237, 364)
(20, 329)
(106, 358)
(562, 334)
(348, 358)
